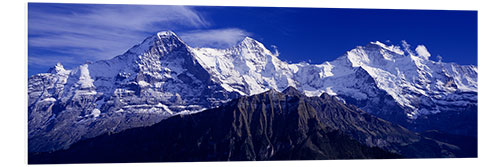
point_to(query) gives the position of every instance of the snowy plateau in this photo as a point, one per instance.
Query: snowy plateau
(163, 76)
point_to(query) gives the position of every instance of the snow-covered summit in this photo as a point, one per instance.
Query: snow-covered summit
(392, 48)
(58, 68)
(162, 42)
(404, 74)
(165, 34)
(409, 76)
(247, 68)
(251, 44)
(163, 76)
(153, 80)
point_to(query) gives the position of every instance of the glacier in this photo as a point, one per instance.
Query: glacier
(163, 76)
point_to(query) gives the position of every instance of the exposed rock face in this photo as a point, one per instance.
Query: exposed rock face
(163, 76)
(150, 82)
(267, 126)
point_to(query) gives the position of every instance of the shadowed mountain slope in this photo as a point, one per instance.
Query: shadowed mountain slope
(268, 126)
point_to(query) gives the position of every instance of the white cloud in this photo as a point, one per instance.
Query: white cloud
(422, 52)
(73, 34)
(102, 31)
(215, 38)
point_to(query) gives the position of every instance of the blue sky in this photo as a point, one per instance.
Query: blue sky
(75, 33)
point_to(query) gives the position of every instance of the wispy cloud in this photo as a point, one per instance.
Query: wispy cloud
(102, 31)
(215, 38)
(39, 61)
(75, 33)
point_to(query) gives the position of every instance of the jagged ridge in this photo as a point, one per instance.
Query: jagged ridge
(267, 126)
(163, 76)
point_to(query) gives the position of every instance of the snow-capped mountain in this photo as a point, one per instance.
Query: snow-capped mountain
(150, 82)
(247, 68)
(376, 77)
(394, 82)
(163, 76)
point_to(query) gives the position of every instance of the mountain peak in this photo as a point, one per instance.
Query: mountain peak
(378, 43)
(247, 38)
(251, 45)
(166, 34)
(420, 51)
(248, 42)
(292, 91)
(57, 68)
(163, 41)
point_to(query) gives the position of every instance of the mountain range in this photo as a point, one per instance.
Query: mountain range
(390, 97)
